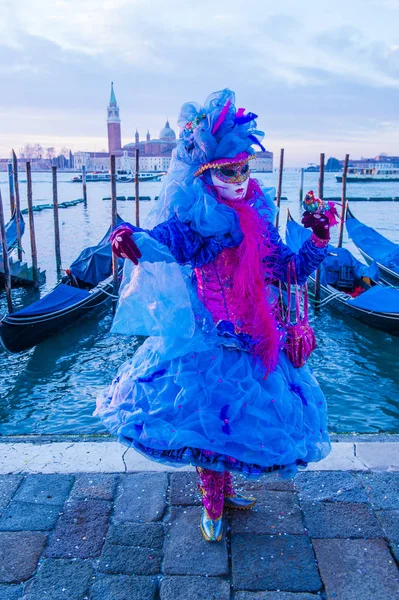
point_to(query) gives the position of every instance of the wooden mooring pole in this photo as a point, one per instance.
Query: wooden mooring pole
(280, 183)
(301, 187)
(56, 222)
(321, 176)
(7, 274)
(114, 211)
(32, 226)
(11, 187)
(321, 196)
(136, 186)
(17, 204)
(84, 184)
(343, 207)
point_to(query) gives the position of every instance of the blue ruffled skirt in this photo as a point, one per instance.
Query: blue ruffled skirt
(212, 406)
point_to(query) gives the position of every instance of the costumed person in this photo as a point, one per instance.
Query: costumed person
(212, 385)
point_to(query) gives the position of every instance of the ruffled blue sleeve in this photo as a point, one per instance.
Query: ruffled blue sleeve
(187, 245)
(307, 260)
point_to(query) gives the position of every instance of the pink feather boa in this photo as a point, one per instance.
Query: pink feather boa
(251, 276)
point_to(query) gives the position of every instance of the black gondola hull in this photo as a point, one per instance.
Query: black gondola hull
(389, 323)
(17, 336)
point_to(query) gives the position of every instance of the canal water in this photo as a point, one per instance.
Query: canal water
(52, 388)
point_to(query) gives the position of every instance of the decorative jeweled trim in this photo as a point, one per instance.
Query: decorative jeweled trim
(219, 165)
(318, 242)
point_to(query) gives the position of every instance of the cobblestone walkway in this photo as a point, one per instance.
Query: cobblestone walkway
(325, 535)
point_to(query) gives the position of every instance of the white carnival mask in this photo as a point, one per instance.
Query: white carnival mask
(232, 181)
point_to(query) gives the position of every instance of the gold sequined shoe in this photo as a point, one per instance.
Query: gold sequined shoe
(232, 499)
(212, 529)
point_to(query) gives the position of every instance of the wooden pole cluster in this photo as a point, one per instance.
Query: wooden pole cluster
(7, 274)
(17, 204)
(136, 186)
(32, 226)
(321, 196)
(56, 222)
(11, 187)
(343, 207)
(84, 184)
(114, 210)
(280, 184)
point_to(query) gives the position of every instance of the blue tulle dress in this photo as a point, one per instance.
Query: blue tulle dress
(193, 393)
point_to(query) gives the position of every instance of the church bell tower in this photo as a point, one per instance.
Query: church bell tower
(113, 124)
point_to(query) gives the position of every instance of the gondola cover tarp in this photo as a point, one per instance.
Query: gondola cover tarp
(374, 244)
(94, 264)
(62, 297)
(378, 299)
(339, 258)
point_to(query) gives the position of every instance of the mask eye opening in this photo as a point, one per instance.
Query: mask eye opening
(227, 172)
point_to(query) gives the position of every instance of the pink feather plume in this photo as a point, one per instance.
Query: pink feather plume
(221, 117)
(250, 289)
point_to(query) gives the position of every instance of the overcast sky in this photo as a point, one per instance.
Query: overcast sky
(323, 75)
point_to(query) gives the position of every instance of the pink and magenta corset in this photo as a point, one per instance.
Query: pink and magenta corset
(215, 290)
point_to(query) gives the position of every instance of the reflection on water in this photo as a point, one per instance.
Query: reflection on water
(52, 389)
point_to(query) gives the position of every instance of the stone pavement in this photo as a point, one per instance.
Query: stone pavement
(134, 536)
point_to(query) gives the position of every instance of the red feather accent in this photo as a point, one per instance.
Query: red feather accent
(332, 214)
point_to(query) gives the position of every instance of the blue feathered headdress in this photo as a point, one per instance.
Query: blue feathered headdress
(216, 130)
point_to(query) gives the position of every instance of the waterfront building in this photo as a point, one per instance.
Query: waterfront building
(40, 164)
(155, 154)
(263, 163)
(381, 161)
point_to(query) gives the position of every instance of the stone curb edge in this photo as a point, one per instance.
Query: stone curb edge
(109, 456)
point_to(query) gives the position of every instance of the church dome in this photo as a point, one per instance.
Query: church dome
(167, 133)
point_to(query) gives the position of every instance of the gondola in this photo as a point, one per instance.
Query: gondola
(88, 284)
(11, 231)
(350, 286)
(21, 274)
(374, 246)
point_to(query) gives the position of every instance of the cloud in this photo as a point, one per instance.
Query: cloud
(368, 58)
(305, 73)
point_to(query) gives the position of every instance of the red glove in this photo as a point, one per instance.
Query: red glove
(123, 245)
(318, 222)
